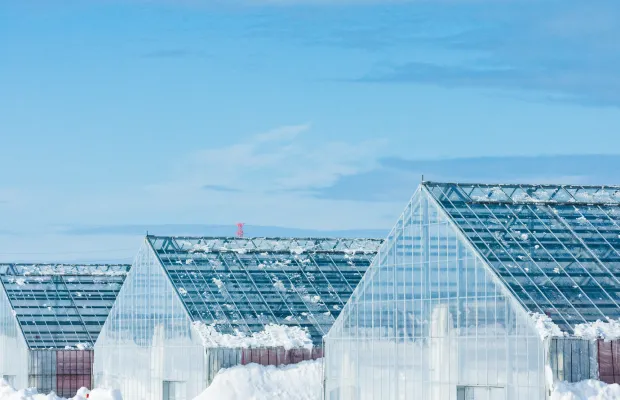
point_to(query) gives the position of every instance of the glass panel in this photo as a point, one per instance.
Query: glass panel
(241, 284)
(556, 247)
(13, 347)
(148, 337)
(431, 316)
(62, 306)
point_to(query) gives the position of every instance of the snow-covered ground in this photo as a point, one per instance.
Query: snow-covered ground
(585, 390)
(292, 382)
(256, 382)
(8, 393)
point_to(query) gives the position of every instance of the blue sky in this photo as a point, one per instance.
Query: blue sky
(188, 116)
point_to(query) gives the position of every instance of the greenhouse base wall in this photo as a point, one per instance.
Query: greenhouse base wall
(148, 346)
(60, 371)
(576, 359)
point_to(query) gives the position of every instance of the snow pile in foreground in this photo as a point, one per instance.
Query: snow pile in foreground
(585, 390)
(609, 330)
(8, 393)
(256, 382)
(289, 337)
(545, 326)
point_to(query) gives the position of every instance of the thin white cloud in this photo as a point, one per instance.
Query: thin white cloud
(267, 177)
(282, 133)
(9, 196)
(285, 3)
(283, 159)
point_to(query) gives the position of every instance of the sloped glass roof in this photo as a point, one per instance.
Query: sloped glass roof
(557, 248)
(60, 305)
(242, 284)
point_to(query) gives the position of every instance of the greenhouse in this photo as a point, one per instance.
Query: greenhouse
(51, 316)
(193, 305)
(484, 292)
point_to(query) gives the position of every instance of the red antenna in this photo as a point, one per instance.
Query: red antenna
(240, 229)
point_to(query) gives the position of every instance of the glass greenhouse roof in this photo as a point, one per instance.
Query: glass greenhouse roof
(557, 248)
(60, 306)
(242, 284)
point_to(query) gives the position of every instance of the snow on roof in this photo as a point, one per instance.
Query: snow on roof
(261, 244)
(556, 248)
(64, 269)
(606, 330)
(527, 193)
(289, 337)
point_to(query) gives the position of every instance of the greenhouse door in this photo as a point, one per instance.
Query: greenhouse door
(480, 393)
(174, 391)
(10, 379)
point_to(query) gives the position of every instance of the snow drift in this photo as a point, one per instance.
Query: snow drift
(8, 393)
(585, 390)
(256, 382)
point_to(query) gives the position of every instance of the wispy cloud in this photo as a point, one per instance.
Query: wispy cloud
(397, 178)
(9, 196)
(289, 3)
(561, 51)
(268, 178)
(566, 51)
(275, 172)
(218, 230)
(221, 188)
(280, 160)
(167, 53)
(172, 54)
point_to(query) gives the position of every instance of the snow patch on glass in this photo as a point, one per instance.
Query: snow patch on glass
(545, 326)
(7, 392)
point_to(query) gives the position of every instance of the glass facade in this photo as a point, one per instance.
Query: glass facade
(431, 320)
(51, 314)
(13, 347)
(148, 347)
(148, 339)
